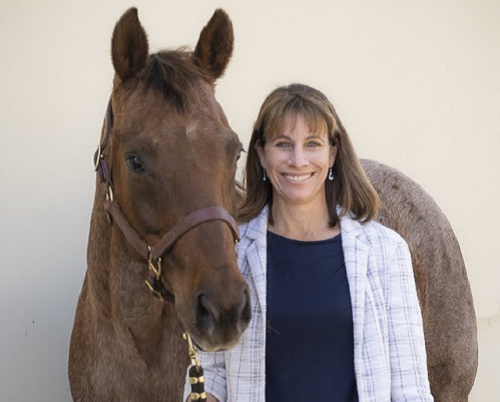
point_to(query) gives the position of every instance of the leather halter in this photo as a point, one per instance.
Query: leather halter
(152, 254)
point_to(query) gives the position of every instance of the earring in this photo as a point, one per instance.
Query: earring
(330, 174)
(264, 178)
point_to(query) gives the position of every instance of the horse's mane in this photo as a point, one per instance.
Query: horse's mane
(174, 75)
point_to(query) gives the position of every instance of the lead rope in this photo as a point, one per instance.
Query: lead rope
(196, 378)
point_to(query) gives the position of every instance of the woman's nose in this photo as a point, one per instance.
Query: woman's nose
(298, 157)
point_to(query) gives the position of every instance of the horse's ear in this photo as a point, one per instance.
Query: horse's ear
(129, 46)
(215, 45)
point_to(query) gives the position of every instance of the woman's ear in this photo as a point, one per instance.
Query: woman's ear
(261, 154)
(333, 155)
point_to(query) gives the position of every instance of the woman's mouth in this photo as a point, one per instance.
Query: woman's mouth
(297, 178)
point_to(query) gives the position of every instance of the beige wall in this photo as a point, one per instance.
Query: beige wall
(416, 84)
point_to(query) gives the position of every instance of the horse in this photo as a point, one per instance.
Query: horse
(443, 288)
(162, 214)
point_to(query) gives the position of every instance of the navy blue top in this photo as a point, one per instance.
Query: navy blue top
(309, 342)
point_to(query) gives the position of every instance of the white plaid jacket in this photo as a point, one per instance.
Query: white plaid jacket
(389, 348)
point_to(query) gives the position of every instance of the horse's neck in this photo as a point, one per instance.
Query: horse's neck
(120, 296)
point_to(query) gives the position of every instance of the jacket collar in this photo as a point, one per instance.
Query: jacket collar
(257, 227)
(350, 227)
(253, 249)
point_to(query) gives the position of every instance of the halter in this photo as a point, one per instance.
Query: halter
(153, 254)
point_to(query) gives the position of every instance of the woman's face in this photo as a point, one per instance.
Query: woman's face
(297, 162)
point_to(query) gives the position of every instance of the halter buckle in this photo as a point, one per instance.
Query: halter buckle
(153, 282)
(109, 194)
(151, 265)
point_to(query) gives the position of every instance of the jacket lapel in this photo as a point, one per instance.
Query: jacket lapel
(356, 249)
(255, 255)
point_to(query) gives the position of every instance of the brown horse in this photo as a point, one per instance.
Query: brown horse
(442, 284)
(167, 161)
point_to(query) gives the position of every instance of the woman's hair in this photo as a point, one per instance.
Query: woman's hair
(350, 188)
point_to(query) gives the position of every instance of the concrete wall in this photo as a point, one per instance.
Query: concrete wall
(416, 84)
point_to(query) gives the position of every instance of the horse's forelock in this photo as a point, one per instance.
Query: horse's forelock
(174, 76)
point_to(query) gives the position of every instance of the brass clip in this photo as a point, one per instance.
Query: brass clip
(193, 353)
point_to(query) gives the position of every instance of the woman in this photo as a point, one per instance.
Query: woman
(335, 309)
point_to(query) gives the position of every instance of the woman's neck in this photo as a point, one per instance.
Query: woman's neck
(302, 222)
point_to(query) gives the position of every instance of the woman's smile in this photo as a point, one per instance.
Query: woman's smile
(297, 178)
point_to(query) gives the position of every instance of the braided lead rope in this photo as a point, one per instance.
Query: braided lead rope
(196, 378)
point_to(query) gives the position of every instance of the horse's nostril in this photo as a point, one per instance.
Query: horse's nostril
(211, 319)
(206, 313)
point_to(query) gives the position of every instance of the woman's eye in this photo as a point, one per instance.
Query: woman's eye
(313, 144)
(135, 163)
(282, 144)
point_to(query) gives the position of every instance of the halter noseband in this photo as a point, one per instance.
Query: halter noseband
(152, 254)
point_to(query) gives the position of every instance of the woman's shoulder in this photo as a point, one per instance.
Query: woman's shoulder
(369, 231)
(256, 227)
(386, 245)
(377, 233)
(243, 228)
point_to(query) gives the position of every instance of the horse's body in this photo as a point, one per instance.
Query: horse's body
(127, 345)
(442, 284)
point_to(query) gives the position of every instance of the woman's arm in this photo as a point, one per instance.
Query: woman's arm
(409, 377)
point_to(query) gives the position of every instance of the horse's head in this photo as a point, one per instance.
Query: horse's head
(172, 152)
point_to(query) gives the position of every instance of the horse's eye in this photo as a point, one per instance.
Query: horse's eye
(134, 163)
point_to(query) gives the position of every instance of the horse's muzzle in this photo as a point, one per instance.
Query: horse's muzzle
(218, 325)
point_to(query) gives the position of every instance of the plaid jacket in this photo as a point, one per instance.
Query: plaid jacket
(389, 348)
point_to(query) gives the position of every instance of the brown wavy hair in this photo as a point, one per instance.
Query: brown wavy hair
(350, 189)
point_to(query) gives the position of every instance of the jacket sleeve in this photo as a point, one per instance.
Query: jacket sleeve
(214, 370)
(409, 377)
